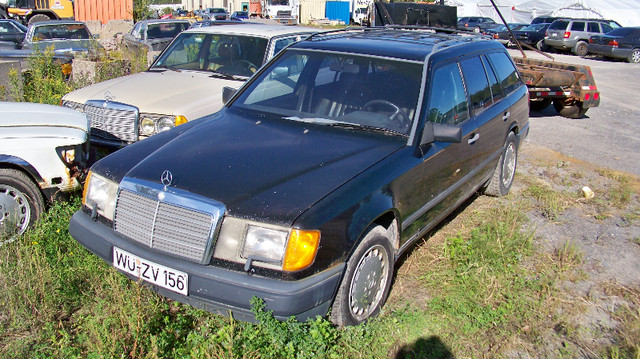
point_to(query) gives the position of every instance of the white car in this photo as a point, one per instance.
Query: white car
(43, 154)
(184, 83)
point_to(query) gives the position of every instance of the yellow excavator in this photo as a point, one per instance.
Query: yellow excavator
(30, 11)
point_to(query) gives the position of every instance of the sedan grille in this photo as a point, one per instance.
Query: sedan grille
(112, 120)
(176, 230)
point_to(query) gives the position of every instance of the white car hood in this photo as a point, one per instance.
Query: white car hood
(23, 116)
(191, 94)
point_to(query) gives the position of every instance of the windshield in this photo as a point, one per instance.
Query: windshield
(338, 89)
(164, 30)
(534, 27)
(61, 31)
(225, 54)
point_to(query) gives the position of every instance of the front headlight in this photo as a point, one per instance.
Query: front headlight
(165, 124)
(266, 245)
(150, 123)
(147, 126)
(100, 193)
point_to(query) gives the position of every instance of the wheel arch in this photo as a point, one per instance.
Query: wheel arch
(7, 161)
(49, 13)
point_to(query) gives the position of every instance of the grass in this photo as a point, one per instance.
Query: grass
(61, 301)
(491, 293)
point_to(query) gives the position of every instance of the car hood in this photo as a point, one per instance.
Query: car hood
(44, 125)
(191, 94)
(262, 169)
(25, 115)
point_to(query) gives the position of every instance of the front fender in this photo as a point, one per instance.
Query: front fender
(17, 162)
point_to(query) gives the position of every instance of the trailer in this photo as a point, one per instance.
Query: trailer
(571, 88)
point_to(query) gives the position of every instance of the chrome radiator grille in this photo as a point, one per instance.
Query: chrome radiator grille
(172, 229)
(112, 120)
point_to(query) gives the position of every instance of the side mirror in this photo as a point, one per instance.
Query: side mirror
(437, 132)
(279, 72)
(227, 93)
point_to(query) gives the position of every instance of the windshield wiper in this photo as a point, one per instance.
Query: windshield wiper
(348, 125)
(226, 75)
(161, 69)
(367, 128)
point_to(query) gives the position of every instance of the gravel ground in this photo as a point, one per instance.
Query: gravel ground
(608, 135)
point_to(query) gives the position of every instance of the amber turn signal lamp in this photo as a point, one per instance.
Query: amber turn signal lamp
(301, 249)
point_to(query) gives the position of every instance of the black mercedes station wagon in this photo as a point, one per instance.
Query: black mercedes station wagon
(317, 174)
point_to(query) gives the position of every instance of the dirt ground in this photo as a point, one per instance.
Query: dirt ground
(607, 138)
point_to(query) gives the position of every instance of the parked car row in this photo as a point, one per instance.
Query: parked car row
(303, 186)
(579, 36)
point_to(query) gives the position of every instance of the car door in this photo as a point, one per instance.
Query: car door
(490, 109)
(440, 177)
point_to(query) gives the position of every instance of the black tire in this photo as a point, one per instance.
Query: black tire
(502, 179)
(581, 49)
(21, 204)
(540, 45)
(38, 18)
(477, 29)
(539, 104)
(367, 280)
(634, 56)
(569, 109)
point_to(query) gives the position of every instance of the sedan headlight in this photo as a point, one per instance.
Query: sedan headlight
(147, 126)
(265, 245)
(150, 124)
(165, 124)
(100, 195)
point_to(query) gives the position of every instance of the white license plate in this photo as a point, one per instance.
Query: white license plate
(151, 272)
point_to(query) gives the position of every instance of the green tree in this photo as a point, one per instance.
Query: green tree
(141, 10)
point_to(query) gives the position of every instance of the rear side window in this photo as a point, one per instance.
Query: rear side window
(447, 98)
(593, 27)
(558, 25)
(496, 89)
(505, 70)
(282, 43)
(477, 84)
(578, 26)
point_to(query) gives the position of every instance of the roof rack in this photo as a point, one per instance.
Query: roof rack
(347, 29)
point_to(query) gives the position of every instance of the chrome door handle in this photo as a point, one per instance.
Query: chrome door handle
(506, 116)
(473, 139)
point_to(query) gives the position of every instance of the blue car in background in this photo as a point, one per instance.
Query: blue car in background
(240, 15)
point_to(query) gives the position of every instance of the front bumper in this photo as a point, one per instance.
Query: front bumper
(216, 289)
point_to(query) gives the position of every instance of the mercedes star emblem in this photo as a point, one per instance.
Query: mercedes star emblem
(166, 178)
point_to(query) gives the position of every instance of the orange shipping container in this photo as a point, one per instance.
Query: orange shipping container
(103, 10)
